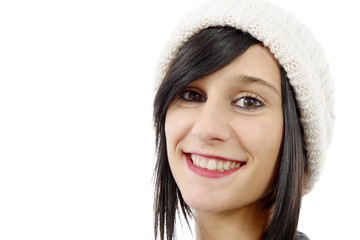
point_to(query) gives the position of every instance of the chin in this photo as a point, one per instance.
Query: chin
(206, 203)
(206, 208)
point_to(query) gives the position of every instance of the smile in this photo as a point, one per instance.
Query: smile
(210, 166)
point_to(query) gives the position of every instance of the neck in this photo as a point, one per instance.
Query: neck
(246, 224)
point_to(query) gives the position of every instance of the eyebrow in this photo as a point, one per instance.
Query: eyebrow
(246, 79)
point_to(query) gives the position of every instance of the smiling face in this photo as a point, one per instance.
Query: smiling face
(224, 134)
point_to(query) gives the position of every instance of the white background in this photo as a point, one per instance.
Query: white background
(76, 137)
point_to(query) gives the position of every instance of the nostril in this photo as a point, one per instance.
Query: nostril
(219, 132)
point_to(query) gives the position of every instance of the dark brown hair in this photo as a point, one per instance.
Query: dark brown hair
(210, 50)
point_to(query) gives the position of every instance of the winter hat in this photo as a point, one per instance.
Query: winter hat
(295, 48)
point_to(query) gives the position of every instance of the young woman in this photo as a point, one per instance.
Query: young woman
(243, 116)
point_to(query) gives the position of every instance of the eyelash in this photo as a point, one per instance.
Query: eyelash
(259, 103)
(189, 91)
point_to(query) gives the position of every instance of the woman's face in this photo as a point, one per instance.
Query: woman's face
(224, 134)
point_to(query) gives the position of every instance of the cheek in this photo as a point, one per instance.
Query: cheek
(177, 126)
(262, 139)
(262, 136)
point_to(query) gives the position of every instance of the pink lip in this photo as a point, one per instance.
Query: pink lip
(207, 173)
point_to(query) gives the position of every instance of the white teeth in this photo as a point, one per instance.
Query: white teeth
(203, 163)
(220, 166)
(214, 164)
(211, 164)
(227, 165)
(196, 161)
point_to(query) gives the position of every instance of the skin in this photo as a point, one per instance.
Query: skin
(234, 113)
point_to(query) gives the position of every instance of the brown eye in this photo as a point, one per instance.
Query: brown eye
(249, 103)
(192, 96)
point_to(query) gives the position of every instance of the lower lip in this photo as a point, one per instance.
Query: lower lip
(208, 173)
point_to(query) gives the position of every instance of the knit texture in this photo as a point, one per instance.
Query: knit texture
(293, 45)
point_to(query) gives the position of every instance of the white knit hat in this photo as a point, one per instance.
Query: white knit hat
(292, 45)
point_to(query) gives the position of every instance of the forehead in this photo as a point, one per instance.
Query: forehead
(256, 62)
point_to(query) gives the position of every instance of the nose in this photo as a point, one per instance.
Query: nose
(212, 123)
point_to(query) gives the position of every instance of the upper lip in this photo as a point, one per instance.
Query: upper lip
(213, 156)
